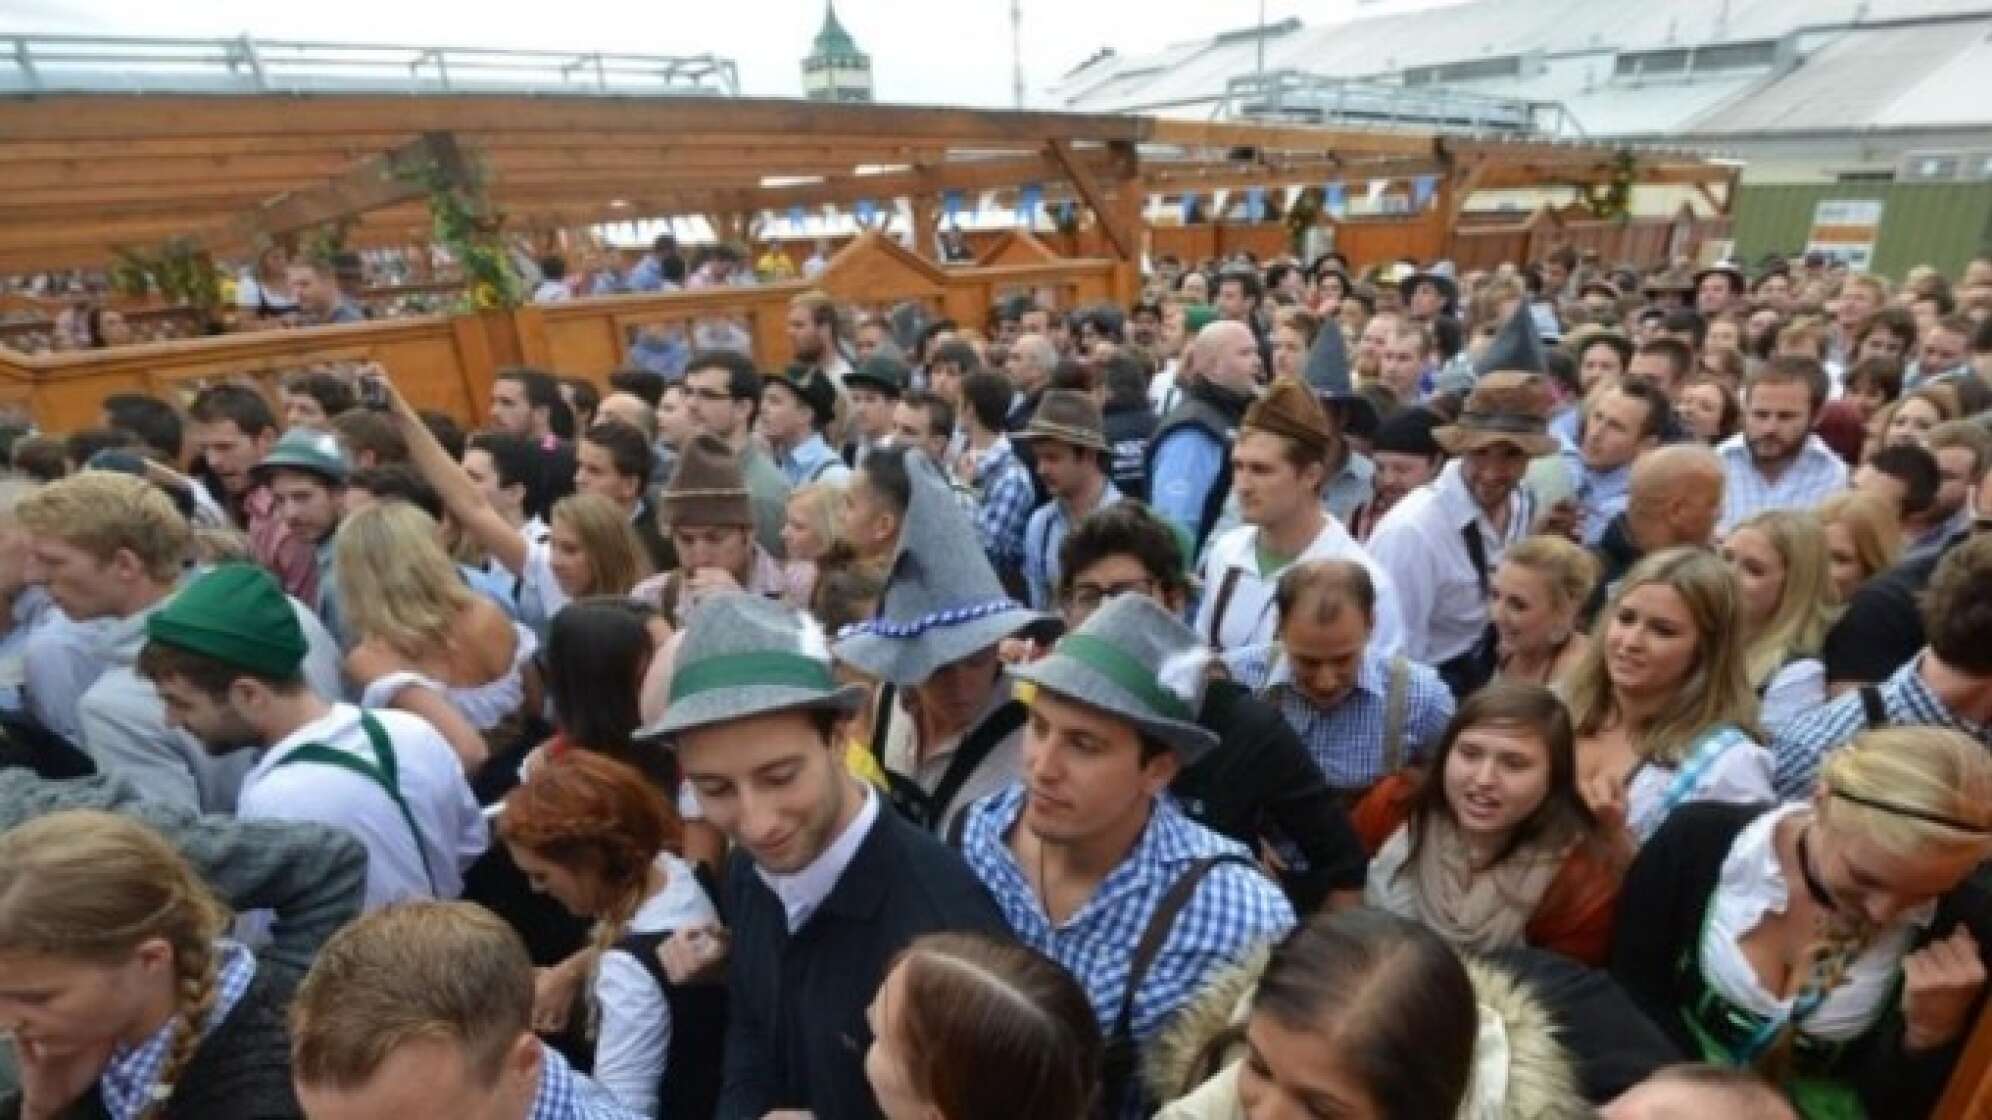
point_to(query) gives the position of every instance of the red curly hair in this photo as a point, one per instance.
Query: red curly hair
(588, 812)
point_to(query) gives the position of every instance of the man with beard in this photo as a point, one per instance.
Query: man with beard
(1776, 462)
(1442, 543)
(812, 329)
(227, 656)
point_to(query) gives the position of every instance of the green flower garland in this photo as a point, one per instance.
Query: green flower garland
(472, 238)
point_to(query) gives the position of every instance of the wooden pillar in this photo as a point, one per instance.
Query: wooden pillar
(1130, 205)
(926, 225)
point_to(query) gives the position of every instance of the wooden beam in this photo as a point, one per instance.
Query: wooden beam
(113, 116)
(1082, 180)
(391, 178)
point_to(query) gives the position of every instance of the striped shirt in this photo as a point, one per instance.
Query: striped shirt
(1815, 475)
(1234, 909)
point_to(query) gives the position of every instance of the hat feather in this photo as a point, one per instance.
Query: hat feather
(1184, 674)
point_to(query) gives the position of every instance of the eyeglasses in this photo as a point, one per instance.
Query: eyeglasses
(1087, 597)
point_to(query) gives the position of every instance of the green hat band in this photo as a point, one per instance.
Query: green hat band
(1130, 675)
(746, 670)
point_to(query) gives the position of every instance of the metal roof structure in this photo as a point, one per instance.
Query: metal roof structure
(1688, 69)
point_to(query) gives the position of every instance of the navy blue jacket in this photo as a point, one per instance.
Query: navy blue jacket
(796, 1036)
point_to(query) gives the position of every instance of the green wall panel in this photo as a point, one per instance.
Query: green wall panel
(1941, 224)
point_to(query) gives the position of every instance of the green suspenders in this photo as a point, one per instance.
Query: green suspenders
(383, 772)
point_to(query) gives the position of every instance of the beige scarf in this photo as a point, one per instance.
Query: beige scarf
(1472, 909)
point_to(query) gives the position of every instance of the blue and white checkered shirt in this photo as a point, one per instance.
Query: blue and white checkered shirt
(127, 1081)
(1005, 497)
(1817, 474)
(566, 1095)
(1801, 747)
(1347, 740)
(1234, 909)
(1043, 534)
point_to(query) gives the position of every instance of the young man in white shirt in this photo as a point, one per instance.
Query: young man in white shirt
(1279, 465)
(226, 657)
(1442, 542)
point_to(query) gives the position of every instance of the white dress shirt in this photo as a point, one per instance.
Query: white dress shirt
(432, 782)
(1251, 615)
(1439, 593)
(634, 1036)
(803, 891)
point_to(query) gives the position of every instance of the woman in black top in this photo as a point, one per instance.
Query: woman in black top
(1835, 945)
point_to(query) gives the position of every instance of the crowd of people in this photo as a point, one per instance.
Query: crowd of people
(1557, 691)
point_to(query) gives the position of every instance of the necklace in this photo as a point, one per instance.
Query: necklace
(1813, 886)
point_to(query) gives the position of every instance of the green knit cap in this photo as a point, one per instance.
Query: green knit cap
(1197, 316)
(237, 615)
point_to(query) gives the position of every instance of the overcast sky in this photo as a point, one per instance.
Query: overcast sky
(937, 51)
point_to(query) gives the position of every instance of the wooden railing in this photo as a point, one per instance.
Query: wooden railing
(447, 362)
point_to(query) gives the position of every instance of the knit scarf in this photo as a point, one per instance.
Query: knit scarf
(1480, 910)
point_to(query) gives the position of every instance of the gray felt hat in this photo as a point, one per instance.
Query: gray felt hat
(1135, 661)
(746, 655)
(1516, 348)
(942, 600)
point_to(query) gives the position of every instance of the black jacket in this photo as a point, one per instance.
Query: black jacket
(1129, 430)
(1616, 553)
(1660, 916)
(1260, 784)
(241, 1071)
(796, 1034)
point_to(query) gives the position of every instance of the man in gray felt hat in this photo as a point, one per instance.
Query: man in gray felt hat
(1089, 862)
(825, 885)
(946, 730)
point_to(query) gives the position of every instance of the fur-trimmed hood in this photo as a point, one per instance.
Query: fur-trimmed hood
(1192, 1055)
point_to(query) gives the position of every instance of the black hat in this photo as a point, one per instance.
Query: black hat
(1408, 432)
(887, 375)
(813, 387)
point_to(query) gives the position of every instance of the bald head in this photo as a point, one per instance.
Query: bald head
(1674, 496)
(1227, 354)
(630, 409)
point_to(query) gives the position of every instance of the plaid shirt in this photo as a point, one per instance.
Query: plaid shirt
(1233, 910)
(127, 1081)
(1006, 496)
(1798, 750)
(1043, 534)
(566, 1095)
(1814, 476)
(1347, 740)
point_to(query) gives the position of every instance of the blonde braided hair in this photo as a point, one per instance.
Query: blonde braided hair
(92, 886)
